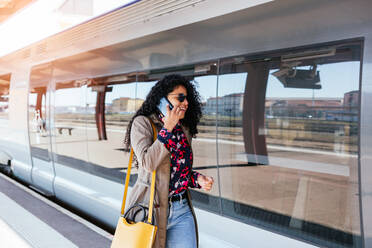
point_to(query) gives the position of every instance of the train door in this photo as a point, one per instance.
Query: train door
(39, 116)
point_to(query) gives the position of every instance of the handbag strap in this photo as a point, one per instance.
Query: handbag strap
(152, 192)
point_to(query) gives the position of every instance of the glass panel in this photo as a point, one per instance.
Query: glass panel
(4, 100)
(38, 102)
(289, 160)
(70, 116)
(144, 85)
(204, 145)
(105, 138)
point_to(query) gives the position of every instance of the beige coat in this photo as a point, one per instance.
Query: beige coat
(153, 156)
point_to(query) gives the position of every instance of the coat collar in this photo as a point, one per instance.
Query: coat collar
(155, 119)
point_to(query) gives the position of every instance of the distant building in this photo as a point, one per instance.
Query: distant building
(351, 99)
(349, 111)
(230, 105)
(301, 107)
(341, 109)
(126, 105)
(303, 101)
(210, 106)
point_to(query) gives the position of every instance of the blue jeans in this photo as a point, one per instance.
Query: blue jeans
(181, 226)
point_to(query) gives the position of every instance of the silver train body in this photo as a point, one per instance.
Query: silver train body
(286, 132)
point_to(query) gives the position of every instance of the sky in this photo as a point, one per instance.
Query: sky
(42, 19)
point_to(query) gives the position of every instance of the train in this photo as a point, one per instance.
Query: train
(286, 130)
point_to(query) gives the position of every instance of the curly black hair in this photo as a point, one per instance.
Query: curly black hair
(161, 89)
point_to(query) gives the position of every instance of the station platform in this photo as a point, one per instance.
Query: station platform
(28, 219)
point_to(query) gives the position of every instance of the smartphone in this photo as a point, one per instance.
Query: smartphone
(163, 106)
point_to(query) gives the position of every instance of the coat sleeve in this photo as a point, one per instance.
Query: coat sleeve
(149, 154)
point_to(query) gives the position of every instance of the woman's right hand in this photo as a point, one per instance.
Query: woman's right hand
(172, 117)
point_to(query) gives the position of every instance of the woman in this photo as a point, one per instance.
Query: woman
(171, 156)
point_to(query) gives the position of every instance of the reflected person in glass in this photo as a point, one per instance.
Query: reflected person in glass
(172, 158)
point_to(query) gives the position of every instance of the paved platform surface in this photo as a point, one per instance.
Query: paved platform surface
(30, 220)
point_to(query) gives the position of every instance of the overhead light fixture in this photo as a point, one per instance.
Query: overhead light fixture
(308, 55)
(286, 69)
(202, 69)
(81, 82)
(119, 78)
(156, 74)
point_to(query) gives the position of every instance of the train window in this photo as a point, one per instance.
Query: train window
(4, 98)
(204, 145)
(70, 123)
(111, 104)
(38, 112)
(144, 84)
(288, 142)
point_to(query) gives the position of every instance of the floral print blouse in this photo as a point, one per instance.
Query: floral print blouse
(181, 175)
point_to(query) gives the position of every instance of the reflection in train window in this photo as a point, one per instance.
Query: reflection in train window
(144, 84)
(4, 99)
(38, 112)
(111, 103)
(204, 145)
(288, 142)
(70, 123)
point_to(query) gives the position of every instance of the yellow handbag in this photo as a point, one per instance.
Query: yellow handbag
(140, 234)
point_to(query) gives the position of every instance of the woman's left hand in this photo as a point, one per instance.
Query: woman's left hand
(205, 182)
